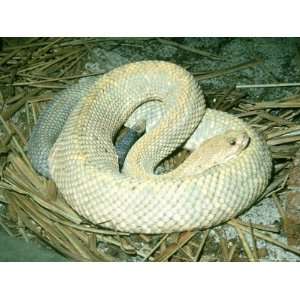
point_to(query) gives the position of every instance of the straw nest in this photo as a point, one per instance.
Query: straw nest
(31, 71)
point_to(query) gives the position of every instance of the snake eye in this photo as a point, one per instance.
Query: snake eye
(232, 141)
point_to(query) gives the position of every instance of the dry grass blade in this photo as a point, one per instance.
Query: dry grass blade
(126, 246)
(274, 104)
(267, 85)
(280, 132)
(72, 217)
(27, 182)
(8, 113)
(5, 227)
(220, 102)
(173, 248)
(228, 70)
(244, 242)
(232, 251)
(189, 49)
(272, 118)
(21, 229)
(110, 240)
(266, 238)
(69, 215)
(16, 143)
(15, 98)
(276, 185)
(37, 83)
(39, 99)
(201, 246)
(278, 206)
(156, 247)
(9, 56)
(19, 133)
(62, 58)
(268, 228)
(25, 175)
(43, 50)
(283, 140)
(61, 234)
(254, 242)
(58, 44)
(92, 243)
(75, 242)
(44, 223)
(223, 245)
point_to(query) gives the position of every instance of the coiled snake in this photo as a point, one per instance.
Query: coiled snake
(78, 129)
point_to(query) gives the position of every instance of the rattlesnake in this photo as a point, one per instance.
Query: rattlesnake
(84, 164)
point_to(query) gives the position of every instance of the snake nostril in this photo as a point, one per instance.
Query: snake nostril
(232, 142)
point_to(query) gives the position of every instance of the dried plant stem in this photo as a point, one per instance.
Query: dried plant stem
(266, 238)
(189, 49)
(74, 63)
(156, 247)
(255, 251)
(223, 245)
(280, 132)
(34, 114)
(201, 246)
(43, 50)
(13, 109)
(9, 56)
(221, 100)
(274, 104)
(15, 98)
(36, 83)
(269, 228)
(75, 242)
(5, 228)
(17, 145)
(228, 70)
(283, 140)
(18, 132)
(172, 249)
(231, 252)
(244, 243)
(267, 85)
(39, 99)
(92, 229)
(278, 206)
(276, 185)
(275, 119)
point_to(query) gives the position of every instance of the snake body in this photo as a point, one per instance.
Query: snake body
(74, 136)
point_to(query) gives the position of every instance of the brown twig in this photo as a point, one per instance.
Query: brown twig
(245, 244)
(173, 248)
(201, 246)
(189, 49)
(228, 70)
(267, 238)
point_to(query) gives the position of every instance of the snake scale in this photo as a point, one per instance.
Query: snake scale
(75, 134)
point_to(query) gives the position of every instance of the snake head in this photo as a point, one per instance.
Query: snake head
(232, 143)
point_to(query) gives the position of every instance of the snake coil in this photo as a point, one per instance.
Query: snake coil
(74, 137)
